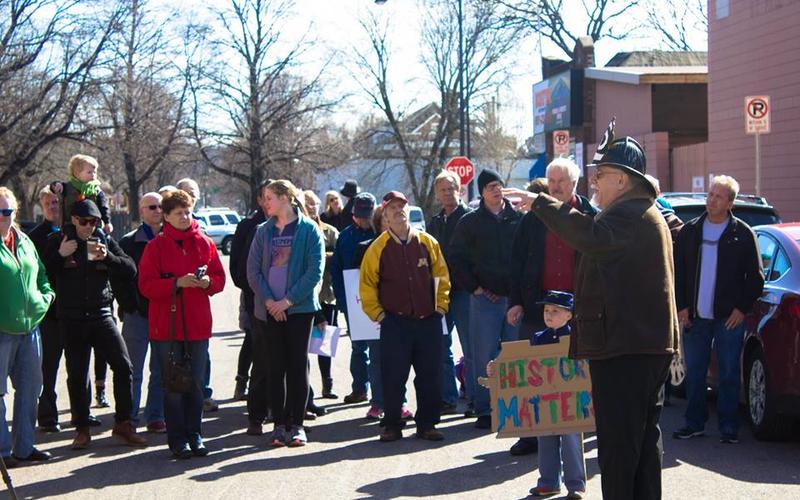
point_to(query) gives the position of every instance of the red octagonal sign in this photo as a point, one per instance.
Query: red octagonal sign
(462, 167)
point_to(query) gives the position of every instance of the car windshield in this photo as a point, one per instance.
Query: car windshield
(416, 216)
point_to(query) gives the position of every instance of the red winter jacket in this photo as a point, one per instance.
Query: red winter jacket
(163, 262)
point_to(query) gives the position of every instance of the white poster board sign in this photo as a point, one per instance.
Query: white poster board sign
(324, 342)
(360, 326)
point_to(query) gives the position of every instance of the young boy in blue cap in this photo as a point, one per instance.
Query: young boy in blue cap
(563, 452)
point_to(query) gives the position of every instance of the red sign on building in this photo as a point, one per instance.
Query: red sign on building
(462, 167)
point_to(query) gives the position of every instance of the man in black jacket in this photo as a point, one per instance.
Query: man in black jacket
(257, 396)
(542, 261)
(135, 328)
(480, 254)
(82, 269)
(718, 278)
(446, 187)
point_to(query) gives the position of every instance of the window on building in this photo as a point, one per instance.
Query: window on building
(722, 9)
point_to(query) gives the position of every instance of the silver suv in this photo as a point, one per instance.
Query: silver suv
(219, 224)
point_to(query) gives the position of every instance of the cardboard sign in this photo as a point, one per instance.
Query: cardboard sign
(359, 324)
(540, 391)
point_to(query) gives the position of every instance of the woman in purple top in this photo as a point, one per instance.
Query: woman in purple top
(284, 268)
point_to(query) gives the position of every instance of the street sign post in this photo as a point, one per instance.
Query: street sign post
(756, 122)
(560, 143)
(462, 167)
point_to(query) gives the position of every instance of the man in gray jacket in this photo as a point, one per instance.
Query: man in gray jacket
(625, 316)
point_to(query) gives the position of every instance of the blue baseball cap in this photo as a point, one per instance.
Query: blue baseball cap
(556, 298)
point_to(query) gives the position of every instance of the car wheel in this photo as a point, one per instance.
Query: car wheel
(766, 423)
(677, 375)
(226, 245)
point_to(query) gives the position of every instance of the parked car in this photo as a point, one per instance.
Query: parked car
(754, 210)
(219, 224)
(416, 218)
(771, 353)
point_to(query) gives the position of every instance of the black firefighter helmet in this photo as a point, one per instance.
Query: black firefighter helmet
(627, 155)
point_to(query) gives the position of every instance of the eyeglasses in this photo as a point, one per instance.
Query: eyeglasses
(87, 221)
(154, 207)
(602, 173)
(6, 212)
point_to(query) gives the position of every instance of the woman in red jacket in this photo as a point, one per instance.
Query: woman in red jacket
(172, 260)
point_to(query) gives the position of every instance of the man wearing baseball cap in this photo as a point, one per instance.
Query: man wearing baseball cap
(404, 285)
(625, 321)
(82, 272)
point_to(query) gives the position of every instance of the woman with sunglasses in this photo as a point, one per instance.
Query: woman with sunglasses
(26, 298)
(181, 264)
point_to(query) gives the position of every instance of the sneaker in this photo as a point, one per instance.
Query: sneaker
(448, 409)
(279, 437)
(389, 435)
(49, 429)
(210, 405)
(687, 433)
(157, 427)
(405, 413)
(355, 397)
(542, 491)
(431, 434)
(576, 495)
(374, 413)
(182, 451)
(198, 447)
(728, 438)
(100, 396)
(483, 422)
(297, 437)
(126, 433)
(317, 410)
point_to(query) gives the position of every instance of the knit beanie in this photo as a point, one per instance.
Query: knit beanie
(487, 176)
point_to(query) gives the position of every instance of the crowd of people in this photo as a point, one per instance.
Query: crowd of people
(506, 270)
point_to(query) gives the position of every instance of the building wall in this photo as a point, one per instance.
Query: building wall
(756, 50)
(688, 162)
(631, 104)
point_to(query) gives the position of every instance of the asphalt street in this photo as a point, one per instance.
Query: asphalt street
(344, 458)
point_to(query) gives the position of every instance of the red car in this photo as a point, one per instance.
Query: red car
(771, 354)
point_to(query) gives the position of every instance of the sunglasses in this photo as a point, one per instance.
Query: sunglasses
(6, 212)
(154, 207)
(87, 221)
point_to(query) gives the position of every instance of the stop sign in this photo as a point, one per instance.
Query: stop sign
(462, 167)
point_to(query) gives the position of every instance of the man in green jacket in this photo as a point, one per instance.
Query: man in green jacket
(26, 298)
(626, 321)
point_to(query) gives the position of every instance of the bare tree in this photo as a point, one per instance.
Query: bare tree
(46, 69)
(424, 150)
(143, 98)
(545, 17)
(676, 21)
(263, 112)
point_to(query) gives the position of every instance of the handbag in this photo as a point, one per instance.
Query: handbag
(178, 377)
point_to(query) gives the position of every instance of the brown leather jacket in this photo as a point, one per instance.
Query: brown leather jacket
(624, 287)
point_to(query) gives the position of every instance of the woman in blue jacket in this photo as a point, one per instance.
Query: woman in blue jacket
(26, 298)
(284, 268)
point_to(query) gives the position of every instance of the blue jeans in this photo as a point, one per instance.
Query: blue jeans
(488, 327)
(559, 454)
(135, 334)
(20, 360)
(183, 412)
(365, 367)
(207, 390)
(449, 388)
(697, 342)
(458, 317)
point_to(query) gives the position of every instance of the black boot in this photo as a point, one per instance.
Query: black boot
(240, 391)
(327, 389)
